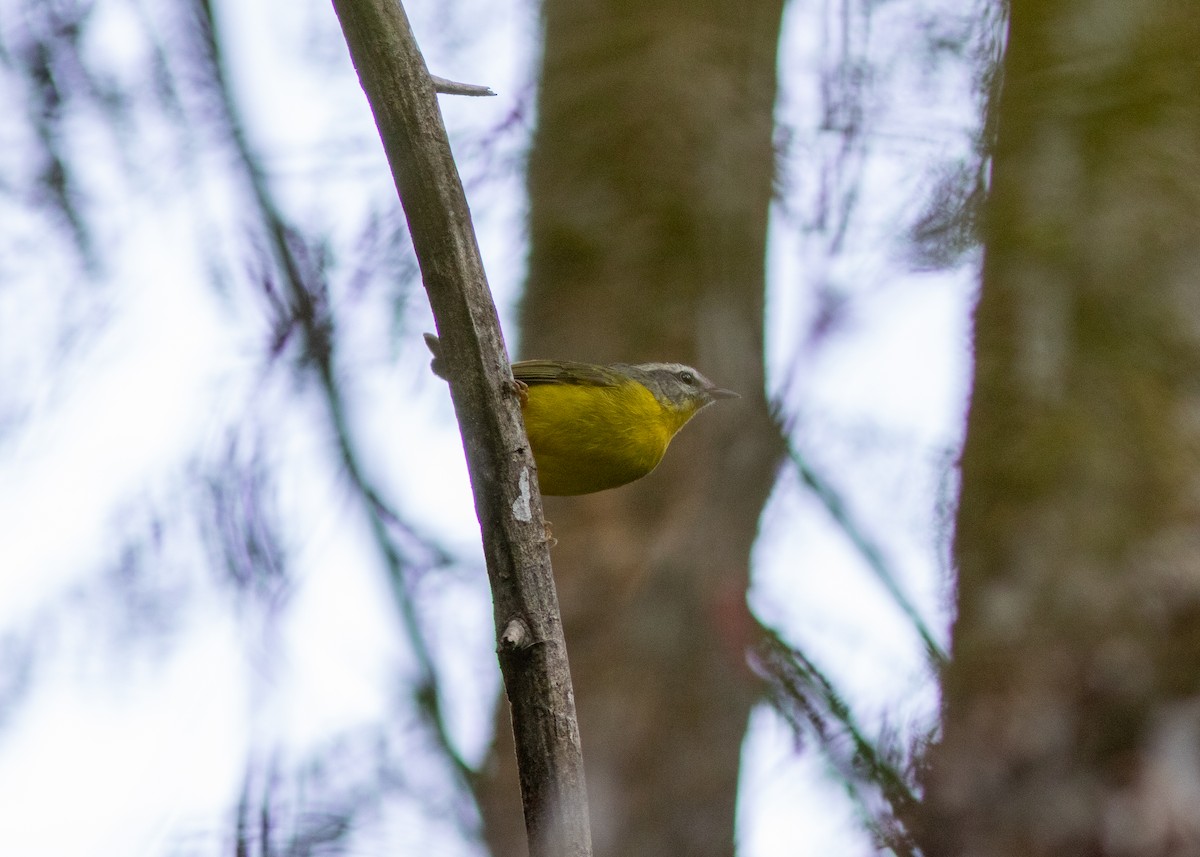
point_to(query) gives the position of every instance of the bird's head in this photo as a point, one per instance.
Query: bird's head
(679, 388)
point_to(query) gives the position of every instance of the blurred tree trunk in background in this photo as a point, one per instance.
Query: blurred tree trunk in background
(1072, 704)
(650, 180)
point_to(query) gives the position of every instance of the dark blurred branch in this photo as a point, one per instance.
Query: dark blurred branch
(245, 528)
(807, 699)
(829, 497)
(507, 501)
(46, 54)
(307, 311)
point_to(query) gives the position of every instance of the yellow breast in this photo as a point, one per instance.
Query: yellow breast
(589, 438)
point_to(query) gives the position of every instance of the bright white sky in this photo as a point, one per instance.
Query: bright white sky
(119, 750)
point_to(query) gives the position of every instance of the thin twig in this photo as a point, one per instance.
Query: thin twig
(452, 87)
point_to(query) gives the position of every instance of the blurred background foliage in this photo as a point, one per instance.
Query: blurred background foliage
(237, 523)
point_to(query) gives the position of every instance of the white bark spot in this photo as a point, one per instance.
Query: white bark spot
(520, 506)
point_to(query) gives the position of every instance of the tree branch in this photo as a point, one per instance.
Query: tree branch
(507, 500)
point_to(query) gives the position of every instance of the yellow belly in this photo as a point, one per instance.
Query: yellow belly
(590, 438)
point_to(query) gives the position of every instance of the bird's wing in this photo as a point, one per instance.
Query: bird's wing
(565, 372)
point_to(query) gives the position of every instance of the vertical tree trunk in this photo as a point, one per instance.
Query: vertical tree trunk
(650, 181)
(1072, 704)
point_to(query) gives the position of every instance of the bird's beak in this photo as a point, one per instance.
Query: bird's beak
(720, 393)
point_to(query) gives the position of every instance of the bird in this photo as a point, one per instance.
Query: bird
(594, 427)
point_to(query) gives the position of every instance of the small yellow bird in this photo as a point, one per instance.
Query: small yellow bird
(596, 427)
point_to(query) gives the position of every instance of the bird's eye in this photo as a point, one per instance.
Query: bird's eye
(687, 378)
